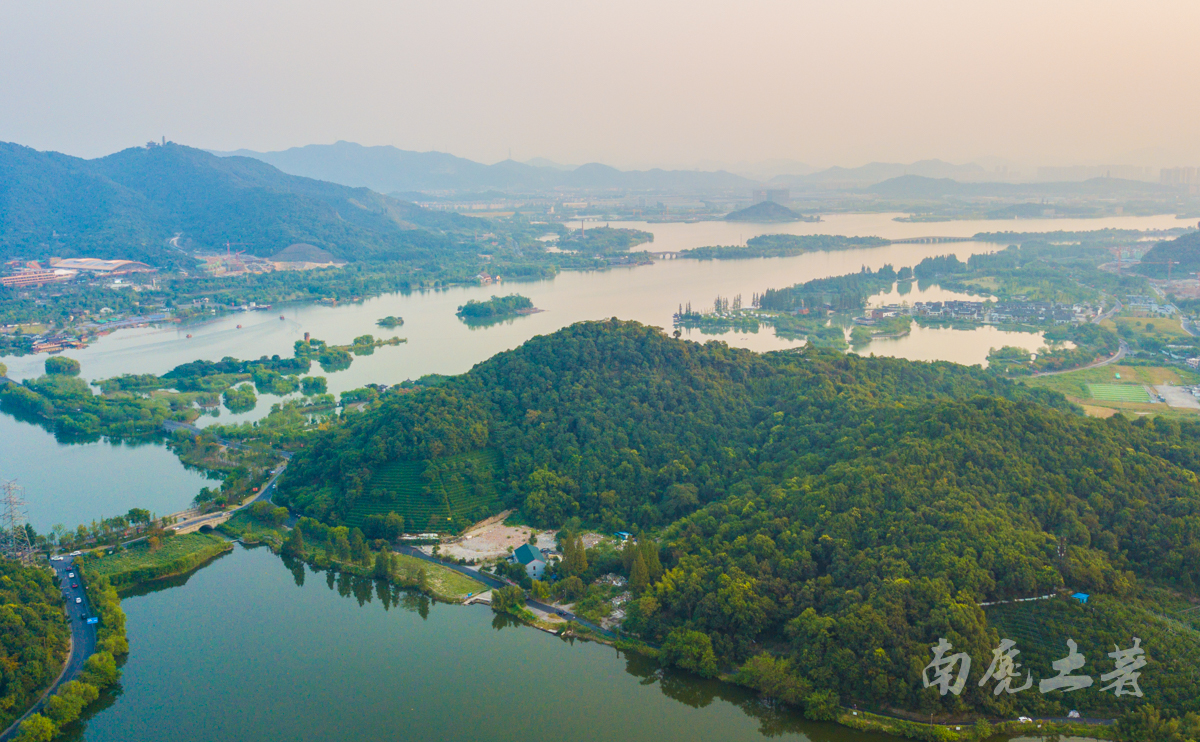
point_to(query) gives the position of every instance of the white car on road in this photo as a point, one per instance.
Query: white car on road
(76, 553)
(79, 600)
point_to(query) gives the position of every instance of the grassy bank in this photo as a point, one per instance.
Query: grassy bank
(438, 582)
(144, 561)
(446, 584)
(441, 583)
(245, 527)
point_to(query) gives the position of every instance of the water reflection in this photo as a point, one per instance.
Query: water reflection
(774, 719)
(74, 732)
(364, 590)
(926, 291)
(296, 567)
(478, 323)
(504, 621)
(166, 583)
(76, 483)
(281, 658)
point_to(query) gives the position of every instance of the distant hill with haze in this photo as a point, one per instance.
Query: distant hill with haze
(919, 187)
(133, 203)
(1183, 251)
(388, 169)
(765, 211)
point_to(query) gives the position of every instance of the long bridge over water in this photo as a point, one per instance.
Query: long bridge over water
(675, 254)
(929, 240)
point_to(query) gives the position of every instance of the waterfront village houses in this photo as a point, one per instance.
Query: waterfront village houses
(531, 559)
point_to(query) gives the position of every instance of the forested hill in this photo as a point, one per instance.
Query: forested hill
(842, 512)
(130, 204)
(609, 404)
(1183, 251)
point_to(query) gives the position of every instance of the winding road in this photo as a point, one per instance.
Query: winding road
(83, 637)
(1121, 352)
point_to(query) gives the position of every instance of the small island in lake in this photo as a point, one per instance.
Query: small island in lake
(496, 308)
(389, 322)
(769, 211)
(601, 240)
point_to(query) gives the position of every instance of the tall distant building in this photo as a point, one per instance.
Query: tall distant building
(777, 195)
(1077, 173)
(1189, 177)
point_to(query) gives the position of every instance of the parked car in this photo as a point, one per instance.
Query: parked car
(76, 553)
(1024, 719)
(56, 559)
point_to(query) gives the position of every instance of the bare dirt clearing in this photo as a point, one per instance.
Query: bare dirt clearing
(488, 539)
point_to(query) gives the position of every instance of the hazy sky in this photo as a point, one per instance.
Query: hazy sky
(628, 83)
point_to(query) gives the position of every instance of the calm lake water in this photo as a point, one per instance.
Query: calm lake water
(76, 483)
(242, 652)
(680, 236)
(438, 342)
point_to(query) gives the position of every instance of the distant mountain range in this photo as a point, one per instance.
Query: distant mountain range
(409, 174)
(918, 187)
(387, 169)
(133, 203)
(875, 172)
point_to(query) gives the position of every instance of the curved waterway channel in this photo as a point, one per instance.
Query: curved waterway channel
(245, 650)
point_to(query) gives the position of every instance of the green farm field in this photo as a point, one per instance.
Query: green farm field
(1159, 619)
(458, 490)
(1119, 392)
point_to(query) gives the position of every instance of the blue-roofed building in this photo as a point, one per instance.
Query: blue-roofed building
(1081, 597)
(531, 559)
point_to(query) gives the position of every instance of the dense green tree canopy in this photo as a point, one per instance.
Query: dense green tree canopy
(33, 636)
(842, 512)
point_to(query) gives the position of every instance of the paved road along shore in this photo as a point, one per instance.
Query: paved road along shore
(83, 636)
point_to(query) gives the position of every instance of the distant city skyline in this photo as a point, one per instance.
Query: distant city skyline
(669, 84)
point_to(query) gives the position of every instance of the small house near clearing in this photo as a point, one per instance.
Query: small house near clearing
(531, 559)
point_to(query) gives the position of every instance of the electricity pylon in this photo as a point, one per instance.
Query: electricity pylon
(14, 539)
